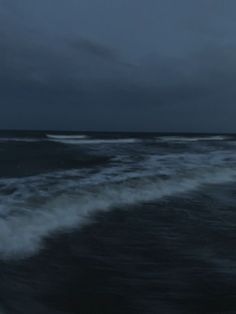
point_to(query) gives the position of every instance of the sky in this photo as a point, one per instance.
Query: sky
(126, 65)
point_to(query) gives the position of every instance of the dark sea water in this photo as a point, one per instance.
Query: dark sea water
(98, 223)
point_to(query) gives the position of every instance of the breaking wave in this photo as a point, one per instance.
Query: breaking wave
(192, 139)
(66, 137)
(95, 141)
(22, 231)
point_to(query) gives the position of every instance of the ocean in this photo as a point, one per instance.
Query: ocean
(103, 223)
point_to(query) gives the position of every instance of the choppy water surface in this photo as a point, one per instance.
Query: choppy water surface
(117, 223)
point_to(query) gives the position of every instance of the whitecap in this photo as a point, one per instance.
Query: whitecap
(66, 137)
(95, 141)
(192, 139)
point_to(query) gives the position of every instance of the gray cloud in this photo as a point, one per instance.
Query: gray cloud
(95, 49)
(47, 72)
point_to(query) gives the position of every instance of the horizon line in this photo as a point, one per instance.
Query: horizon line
(134, 132)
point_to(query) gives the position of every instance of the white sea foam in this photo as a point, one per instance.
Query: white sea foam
(17, 191)
(192, 139)
(33, 211)
(66, 137)
(95, 141)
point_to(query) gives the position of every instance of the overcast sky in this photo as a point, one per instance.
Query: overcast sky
(118, 65)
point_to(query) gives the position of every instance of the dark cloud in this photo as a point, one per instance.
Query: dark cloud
(189, 69)
(94, 48)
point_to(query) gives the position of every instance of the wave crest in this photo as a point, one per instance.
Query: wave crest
(192, 139)
(94, 141)
(66, 137)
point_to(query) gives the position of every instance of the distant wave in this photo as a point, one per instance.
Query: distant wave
(66, 137)
(192, 139)
(95, 141)
(20, 139)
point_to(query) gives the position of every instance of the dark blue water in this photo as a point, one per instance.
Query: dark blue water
(117, 223)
